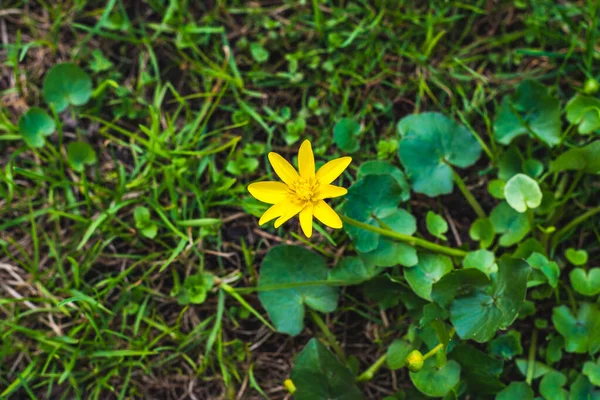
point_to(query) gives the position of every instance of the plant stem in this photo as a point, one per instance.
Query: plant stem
(582, 218)
(426, 244)
(328, 335)
(468, 195)
(372, 370)
(531, 361)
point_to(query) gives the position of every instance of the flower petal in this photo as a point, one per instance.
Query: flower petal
(291, 209)
(283, 169)
(324, 213)
(334, 168)
(274, 211)
(306, 160)
(331, 191)
(269, 192)
(306, 217)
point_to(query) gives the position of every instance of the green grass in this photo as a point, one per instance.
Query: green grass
(191, 96)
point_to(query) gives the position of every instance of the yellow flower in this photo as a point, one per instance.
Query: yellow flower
(302, 192)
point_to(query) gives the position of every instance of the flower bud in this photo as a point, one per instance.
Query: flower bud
(591, 86)
(289, 385)
(414, 361)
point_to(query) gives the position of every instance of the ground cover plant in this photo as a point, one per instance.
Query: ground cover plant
(299, 199)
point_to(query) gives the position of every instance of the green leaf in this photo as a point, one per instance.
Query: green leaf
(195, 288)
(522, 193)
(67, 84)
(34, 125)
(513, 225)
(550, 269)
(551, 386)
(530, 110)
(259, 53)
(483, 230)
(496, 188)
(430, 143)
(430, 269)
(586, 159)
(507, 346)
(576, 257)
(582, 389)
(436, 225)
(345, 135)
(143, 222)
(585, 112)
(318, 374)
(516, 390)
(539, 368)
(480, 371)
(533, 167)
(436, 382)
(80, 154)
(379, 167)
(585, 282)
(371, 198)
(396, 354)
(510, 163)
(592, 371)
(480, 314)
(383, 291)
(483, 260)
(458, 283)
(554, 349)
(298, 269)
(390, 253)
(352, 271)
(577, 330)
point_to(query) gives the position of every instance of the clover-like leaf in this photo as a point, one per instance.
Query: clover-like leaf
(513, 225)
(352, 271)
(483, 260)
(551, 386)
(67, 84)
(380, 167)
(507, 346)
(436, 225)
(35, 125)
(430, 269)
(318, 374)
(345, 135)
(586, 159)
(436, 382)
(516, 390)
(585, 282)
(579, 330)
(430, 143)
(522, 193)
(481, 313)
(397, 352)
(576, 257)
(80, 154)
(483, 230)
(371, 198)
(584, 111)
(143, 222)
(289, 267)
(530, 110)
(195, 288)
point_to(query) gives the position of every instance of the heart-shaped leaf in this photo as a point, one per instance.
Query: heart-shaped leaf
(549, 269)
(379, 167)
(35, 125)
(480, 371)
(371, 198)
(530, 110)
(318, 374)
(430, 143)
(80, 154)
(551, 386)
(345, 135)
(592, 371)
(430, 269)
(507, 346)
(513, 225)
(579, 330)
(586, 159)
(483, 230)
(576, 257)
(522, 193)
(436, 225)
(67, 84)
(585, 282)
(516, 390)
(397, 352)
(289, 267)
(585, 112)
(480, 314)
(483, 260)
(436, 382)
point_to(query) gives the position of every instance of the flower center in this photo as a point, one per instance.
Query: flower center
(305, 189)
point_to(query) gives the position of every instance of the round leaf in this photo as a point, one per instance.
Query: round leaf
(352, 270)
(379, 167)
(34, 125)
(516, 390)
(522, 192)
(551, 386)
(579, 330)
(430, 269)
(592, 371)
(397, 352)
(79, 154)
(436, 382)
(576, 257)
(67, 84)
(291, 266)
(436, 225)
(430, 143)
(483, 230)
(507, 346)
(586, 159)
(585, 282)
(585, 112)
(345, 135)
(513, 225)
(483, 260)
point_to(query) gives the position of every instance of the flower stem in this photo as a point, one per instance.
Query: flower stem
(531, 361)
(372, 370)
(328, 335)
(582, 218)
(468, 195)
(414, 241)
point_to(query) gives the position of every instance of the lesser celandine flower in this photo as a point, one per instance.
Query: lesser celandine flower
(301, 192)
